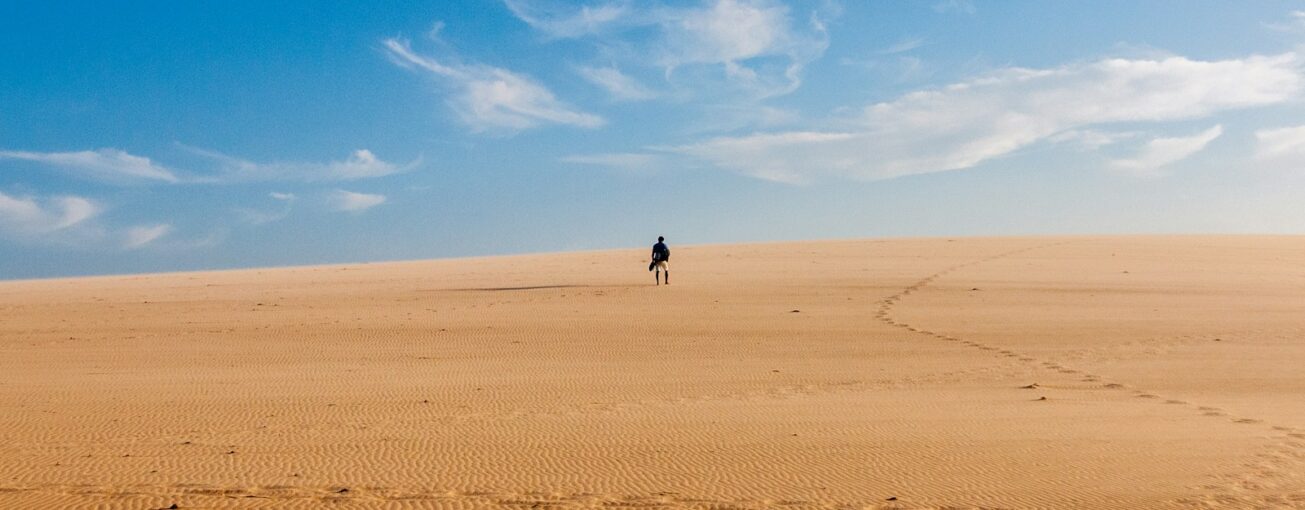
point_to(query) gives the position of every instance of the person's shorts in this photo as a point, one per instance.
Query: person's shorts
(662, 266)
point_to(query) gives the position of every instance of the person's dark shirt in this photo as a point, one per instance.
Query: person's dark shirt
(661, 252)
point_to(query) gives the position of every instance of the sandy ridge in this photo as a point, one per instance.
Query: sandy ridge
(1286, 454)
(774, 404)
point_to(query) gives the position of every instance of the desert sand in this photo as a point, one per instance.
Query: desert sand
(1075, 372)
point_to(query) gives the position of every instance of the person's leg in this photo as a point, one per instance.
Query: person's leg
(657, 276)
(668, 276)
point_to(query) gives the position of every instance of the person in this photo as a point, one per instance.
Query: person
(660, 257)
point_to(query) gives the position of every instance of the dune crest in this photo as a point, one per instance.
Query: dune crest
(1084, 372)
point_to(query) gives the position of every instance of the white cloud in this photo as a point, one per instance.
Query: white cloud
(1287, 143)
(780, 157)
(104, 164)
(349, 201)
(736, 33)
(618, 160)
(1091, 139)
(729, 31)
(902, 46)
(436, 29)
(361, 164)
(901, 68)
(1160, 152)
(493, 98)
(955, 7)
(113, 165)
(755, 44)
(1295, 23)
(559, 20)
(26, 216)
(616, 83)
(138, 237)
(964, 124)
(264, 216)
(727, 118)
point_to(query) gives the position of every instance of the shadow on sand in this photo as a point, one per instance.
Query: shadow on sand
(533, 287)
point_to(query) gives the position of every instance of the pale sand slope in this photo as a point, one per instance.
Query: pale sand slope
(827, 374)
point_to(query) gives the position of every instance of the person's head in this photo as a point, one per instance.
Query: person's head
(660, 239)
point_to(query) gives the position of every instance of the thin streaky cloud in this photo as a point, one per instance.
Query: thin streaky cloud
(1281, 143)
(554, 20)
(401, 54)
(617, 160)
(955, 7)
(1295, 23)
(140, 236)
(487, 97)
(1091, 139)
(1161, 152)
(964, 124)
(349, 201)
(730, 33)
(27, 215)
(902, 46)
(619, 85)
(265, 216)
(360, 164)
(726, 34)
(111, 165)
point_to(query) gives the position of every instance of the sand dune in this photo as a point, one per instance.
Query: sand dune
(1128, 372)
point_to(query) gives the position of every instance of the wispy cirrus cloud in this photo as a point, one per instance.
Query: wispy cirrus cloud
(628, 161)
(119, 167)
(902, 46)
(111, 165)
(1092, 139)
(564, 20)
(757, 45)
(75, 222)
(28, 215)
(139, 236)
(621, 86)
(361, 164)
(262, 216)
(955, 7)
(964, 124)
(1295, 23)
(349, 201)
(1160, 152)
(487, 97)
(1285, 144)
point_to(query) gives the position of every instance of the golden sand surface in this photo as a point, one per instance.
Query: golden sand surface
(1077, 372)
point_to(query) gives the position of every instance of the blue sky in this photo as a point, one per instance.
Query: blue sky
(158, 136)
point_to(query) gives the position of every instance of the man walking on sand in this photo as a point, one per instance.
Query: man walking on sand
(660, 255)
